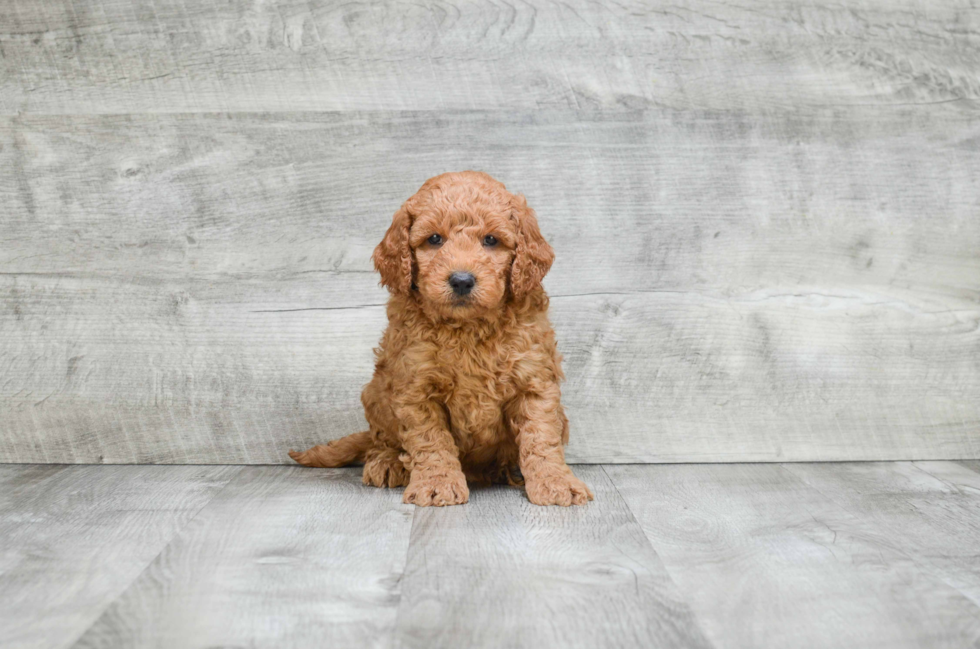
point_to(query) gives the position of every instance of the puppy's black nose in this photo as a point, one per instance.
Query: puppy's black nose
(462, 283)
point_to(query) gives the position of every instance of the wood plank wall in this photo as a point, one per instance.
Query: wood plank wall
(766, 216)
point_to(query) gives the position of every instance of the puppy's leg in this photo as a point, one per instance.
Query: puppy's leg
(538, 423)
(382, 465)
(430, 453)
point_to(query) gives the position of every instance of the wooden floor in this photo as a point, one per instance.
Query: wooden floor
(737, 555)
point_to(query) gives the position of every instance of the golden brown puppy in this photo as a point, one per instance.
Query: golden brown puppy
(466, 380)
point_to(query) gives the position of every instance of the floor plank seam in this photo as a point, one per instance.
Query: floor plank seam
(401, 578)
(177, 532)
(653, 548)
(952, 486)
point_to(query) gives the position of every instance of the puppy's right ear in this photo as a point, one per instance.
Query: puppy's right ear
(393, 256)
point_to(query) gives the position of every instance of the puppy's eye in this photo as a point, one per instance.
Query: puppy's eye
(489, 241)
(435, 239)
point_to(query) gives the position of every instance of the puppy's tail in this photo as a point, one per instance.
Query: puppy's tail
(339, 452)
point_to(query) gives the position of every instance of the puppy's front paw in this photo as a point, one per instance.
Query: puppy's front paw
(436, 491)
(557, 488)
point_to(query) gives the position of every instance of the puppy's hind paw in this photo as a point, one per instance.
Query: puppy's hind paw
(385, 471)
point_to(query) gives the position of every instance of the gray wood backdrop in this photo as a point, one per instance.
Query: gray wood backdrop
(766, 215)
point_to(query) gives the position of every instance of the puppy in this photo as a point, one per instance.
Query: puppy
(466, 380)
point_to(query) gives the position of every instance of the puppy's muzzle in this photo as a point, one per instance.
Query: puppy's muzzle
(462, 283)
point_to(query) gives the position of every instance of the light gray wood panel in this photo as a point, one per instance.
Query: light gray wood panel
(651, 377)
(171, 56)
(767, 561)
(932, 509)
(682, 377)
(501, 572)
(285, 557)
(759, 287)
(18, 488)
(848, 558)
(809, 201)
(17, 482)
(971, 464)
(74, 538)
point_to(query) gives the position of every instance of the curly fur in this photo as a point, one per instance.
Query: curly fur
(464, 389)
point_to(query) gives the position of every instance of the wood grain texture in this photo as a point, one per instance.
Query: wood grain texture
(791, 555)
(653, 200)
(246, 55)
(932, 509)
(971, 464)
(285, 557)
(73, 539)
(764, 559)
(501, 572)
(729, 286)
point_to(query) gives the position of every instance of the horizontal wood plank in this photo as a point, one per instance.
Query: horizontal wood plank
(197, 288)
(765, 559)
(285, 557)
(170, 56)
(646, 201)
(74, 538)
(651, 377)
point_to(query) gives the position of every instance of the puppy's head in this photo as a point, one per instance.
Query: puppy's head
(464, 246)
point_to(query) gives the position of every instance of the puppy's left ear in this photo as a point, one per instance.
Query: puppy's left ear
(533, 256)
(393, 256)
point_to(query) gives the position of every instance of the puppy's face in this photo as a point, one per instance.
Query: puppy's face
(463, 246)
(463, 255)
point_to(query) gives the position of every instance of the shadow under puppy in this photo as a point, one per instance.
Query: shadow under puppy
(466, 381)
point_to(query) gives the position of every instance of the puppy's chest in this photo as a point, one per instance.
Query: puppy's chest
(478, 384)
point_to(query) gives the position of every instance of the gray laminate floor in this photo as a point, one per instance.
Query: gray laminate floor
(738, 555)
